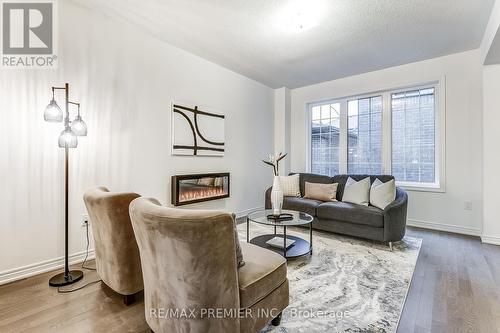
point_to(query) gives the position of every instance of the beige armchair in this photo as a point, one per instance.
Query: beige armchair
(116, 253)
(191, 280)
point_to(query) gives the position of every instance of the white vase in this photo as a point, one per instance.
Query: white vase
(276, 196)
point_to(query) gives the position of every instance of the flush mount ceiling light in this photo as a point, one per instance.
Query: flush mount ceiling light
(300, 15)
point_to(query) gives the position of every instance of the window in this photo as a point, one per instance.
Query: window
(395, 132)
(325, 139)
(413, 136)
(364, 136)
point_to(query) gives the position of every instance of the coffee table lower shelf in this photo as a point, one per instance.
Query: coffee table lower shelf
(300, 248)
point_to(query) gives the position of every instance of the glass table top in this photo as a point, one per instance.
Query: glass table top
(299, 218)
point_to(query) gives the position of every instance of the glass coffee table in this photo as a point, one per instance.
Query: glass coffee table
(299, 247)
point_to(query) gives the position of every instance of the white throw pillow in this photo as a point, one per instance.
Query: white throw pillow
(382, 194)
(290, 185)
(357, 192)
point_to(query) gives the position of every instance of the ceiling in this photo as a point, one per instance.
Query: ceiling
(294, 43)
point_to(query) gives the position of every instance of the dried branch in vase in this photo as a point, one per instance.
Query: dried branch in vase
(274, 160)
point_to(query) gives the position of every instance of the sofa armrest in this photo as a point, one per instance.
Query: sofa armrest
(395, 217)
(267, 203)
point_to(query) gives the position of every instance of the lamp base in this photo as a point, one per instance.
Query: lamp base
(61, 279)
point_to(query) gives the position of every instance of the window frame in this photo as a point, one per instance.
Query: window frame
(440, 132)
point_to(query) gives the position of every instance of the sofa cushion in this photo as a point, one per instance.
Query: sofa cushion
(264, 271)
(301, 204)
(348, 212)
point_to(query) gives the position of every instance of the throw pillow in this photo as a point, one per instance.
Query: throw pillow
(239, 254)
(357, 192)
(382, 194)
(322, 192)
(290, 185)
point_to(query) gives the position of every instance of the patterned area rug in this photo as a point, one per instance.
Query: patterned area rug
(347, 285)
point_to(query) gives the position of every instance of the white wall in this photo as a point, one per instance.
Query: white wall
(282, 126)
(491, 135)
(125, 81)
(492, 29)
(491, 158)
(463, 133)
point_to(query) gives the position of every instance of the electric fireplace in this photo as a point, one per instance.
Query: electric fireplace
(187, 189)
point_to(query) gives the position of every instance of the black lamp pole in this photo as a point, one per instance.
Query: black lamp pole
(65, 140)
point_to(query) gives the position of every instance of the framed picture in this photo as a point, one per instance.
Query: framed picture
(197, 131)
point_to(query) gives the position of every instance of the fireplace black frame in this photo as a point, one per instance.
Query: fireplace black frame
(175, 187)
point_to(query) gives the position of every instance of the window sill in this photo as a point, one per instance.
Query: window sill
(419, 187)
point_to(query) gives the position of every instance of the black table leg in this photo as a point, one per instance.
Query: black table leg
(311, 237)
(275, 230)
(284, 241)
(248, 230)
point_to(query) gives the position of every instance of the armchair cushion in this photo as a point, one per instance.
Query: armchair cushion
(264, 271)
(239, 254)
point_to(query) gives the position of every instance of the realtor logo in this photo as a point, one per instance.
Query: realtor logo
(28, 34)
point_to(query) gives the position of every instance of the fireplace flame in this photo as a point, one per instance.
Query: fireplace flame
(194, 194)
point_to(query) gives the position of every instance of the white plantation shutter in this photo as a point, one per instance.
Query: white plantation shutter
(364, 137)
(325, 139)
(413, 136)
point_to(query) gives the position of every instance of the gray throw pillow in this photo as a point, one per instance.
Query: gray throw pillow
(239, 254)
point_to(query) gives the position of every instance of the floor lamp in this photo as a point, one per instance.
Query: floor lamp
(68, 139)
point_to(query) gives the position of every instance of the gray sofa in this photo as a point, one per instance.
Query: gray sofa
(368, 222)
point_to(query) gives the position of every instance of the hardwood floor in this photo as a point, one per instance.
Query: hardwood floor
(455, 286)
(454, 289)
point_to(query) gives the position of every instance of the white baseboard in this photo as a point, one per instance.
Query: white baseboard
(490, 240)
(41, 267)
(53, 264)
(444, 227)
(245, 212)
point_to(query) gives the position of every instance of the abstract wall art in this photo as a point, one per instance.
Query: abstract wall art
(197, 131)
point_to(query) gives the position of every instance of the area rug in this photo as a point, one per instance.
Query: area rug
(347, 285)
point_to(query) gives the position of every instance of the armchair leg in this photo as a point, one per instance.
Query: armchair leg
(390, 246)
(277, 321)
(128, 299)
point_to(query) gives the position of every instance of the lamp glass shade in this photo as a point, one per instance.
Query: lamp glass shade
(79, 127)
(68, 139)
(53, 112)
